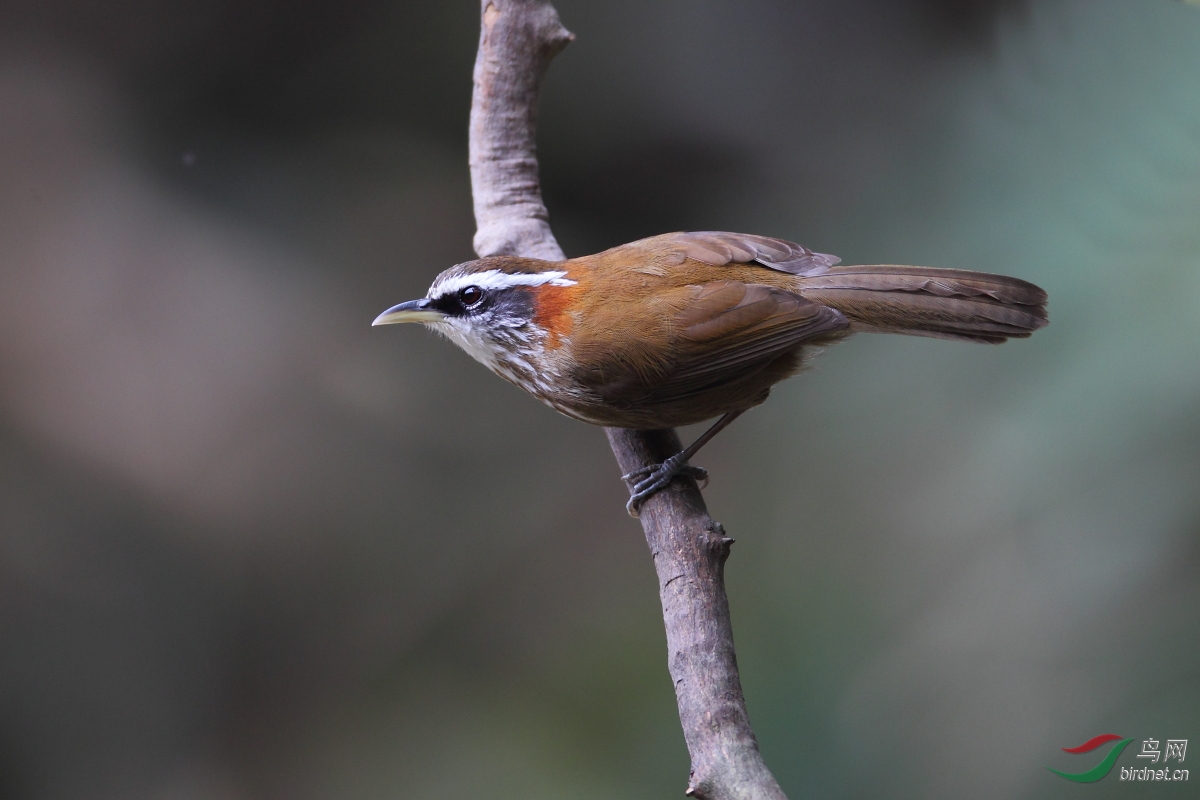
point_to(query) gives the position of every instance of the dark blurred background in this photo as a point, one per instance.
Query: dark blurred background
(252, 548)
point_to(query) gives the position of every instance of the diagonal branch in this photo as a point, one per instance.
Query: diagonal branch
(517, 41)
(689, 551)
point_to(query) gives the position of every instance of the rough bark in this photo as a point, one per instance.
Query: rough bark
(517, 41)
(689, 551)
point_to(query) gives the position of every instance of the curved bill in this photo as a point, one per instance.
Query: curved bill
(412, 311)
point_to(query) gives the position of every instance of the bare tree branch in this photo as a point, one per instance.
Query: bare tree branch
(517, 41)
(689, 551)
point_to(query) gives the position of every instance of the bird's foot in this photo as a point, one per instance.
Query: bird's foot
(656, 476)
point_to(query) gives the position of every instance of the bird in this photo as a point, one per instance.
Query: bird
(685, 327)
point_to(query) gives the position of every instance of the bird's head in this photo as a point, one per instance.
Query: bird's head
(488, 307)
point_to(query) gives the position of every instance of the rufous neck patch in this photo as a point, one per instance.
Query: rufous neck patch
(552, 306)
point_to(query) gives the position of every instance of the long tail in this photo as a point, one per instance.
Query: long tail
(923, 301)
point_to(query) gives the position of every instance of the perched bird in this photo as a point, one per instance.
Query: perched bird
(684, 327)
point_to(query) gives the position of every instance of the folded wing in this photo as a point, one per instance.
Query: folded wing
(721, 333)
(718, 248)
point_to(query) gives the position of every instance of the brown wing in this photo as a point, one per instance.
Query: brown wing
(719, 248)
(721, 332)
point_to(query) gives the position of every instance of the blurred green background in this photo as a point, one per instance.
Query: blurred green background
(252, 548)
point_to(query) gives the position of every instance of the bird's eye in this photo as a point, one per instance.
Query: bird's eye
(470, 296)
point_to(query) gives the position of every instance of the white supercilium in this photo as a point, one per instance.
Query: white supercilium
(496, 280)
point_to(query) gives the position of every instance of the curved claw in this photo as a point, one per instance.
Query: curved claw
(657, 477)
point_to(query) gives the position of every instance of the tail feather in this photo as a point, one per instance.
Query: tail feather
(923, 301)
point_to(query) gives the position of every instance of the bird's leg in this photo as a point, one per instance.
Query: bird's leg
(659, 475)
